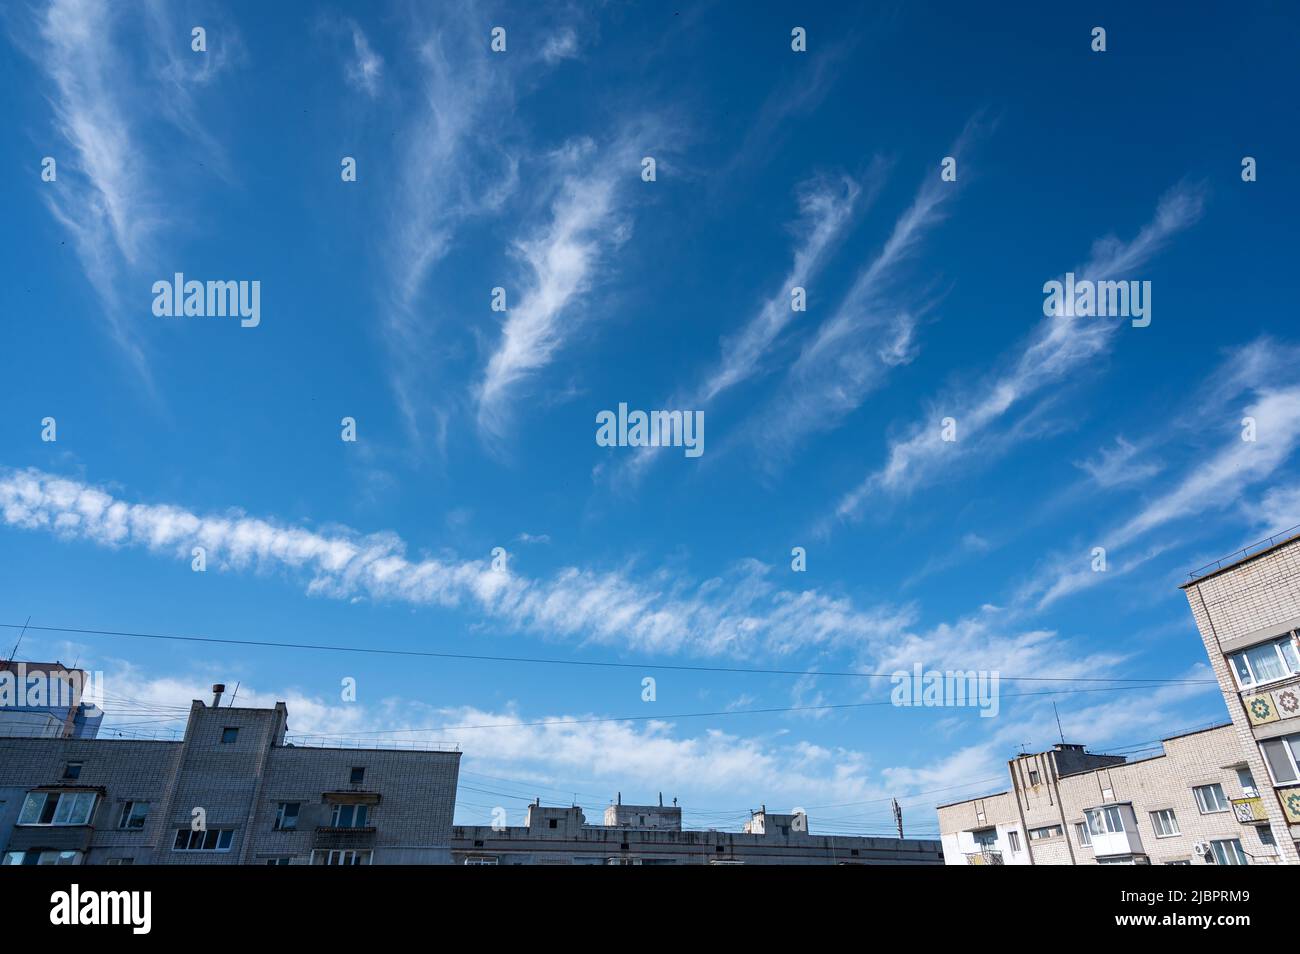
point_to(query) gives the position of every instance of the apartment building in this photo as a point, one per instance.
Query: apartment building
(1247, 607)
(653, 835)
(231, 791)
(49, 700)
(1067, 806)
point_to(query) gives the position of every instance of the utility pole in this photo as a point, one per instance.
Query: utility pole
(898, 818)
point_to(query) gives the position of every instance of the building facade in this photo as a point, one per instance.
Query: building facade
(653, 835)
(1067, 806)
(230, 792)
(49, 700)
(1247, 609)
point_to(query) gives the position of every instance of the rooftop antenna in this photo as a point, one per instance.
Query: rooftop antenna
(233, 694)
(898, 818)
(20, 640)
(1059, 731)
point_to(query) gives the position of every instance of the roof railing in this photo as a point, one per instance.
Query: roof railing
(1238, 555)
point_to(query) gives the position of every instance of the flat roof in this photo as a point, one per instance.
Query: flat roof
(1235, 559)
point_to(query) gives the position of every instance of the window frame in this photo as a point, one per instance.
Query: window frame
(1156, 818)
(1292, 668)
(282, 816)
(72, 797)
(1240, 851)
(360, 811)
(1291, 753)
(1082, 835)
(222, 834)
(126, 816)
(1223, 798)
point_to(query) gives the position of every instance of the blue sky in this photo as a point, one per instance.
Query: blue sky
(475, 428)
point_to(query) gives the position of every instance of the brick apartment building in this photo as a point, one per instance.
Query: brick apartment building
(1247, 608)
(653, 835)
(230, 792)
(1192, 804)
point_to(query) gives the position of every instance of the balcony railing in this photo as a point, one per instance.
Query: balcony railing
(984, 858)
(1250, 811)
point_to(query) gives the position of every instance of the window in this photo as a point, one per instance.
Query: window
(1179, 861)
(554, 822)
(133, 815)
(286, 816)
(57, 808)
(358, 774)
(481, 860)
(121, 861)
(1081, 832)
(341, 857)
(214, 839)
(347, 815)
(1266, 662)
(986, 839)
(1164, 822)
(36, 856)
(1050, 831)
(72, 770)
(229, 734)
(1033, 778)
(1266, 836)
(1281, 755)
(1105, 821)
(1247, 781)
(1012, 836)
(1228, 852)
(1210, 799)
(279, 861)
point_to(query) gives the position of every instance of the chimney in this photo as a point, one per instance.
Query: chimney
(620, 798)
(661, 799)
(217, 690)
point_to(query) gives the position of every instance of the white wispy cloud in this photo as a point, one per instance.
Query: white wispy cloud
(1114, 466)
(743, 611)
(365, 69)
(102, 196)
(1213, 482)
(826, 207)
(448, 174)
(586, 222)
(871, 332)
(1058, 346)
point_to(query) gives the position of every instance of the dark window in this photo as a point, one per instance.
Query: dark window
(1033, 778)
(853, 852)
(72, 769)
(229, 734)
(555, 823)
(719, 849)
(358, 774)
(478, 843)
(133, 815)
(286, 816)
(623, 847)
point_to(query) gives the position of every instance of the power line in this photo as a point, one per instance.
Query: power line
(543, 661)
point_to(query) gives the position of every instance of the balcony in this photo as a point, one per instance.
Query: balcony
(984, 858)
(1250, 811)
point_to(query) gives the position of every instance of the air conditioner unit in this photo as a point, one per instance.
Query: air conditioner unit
(1201, 849)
